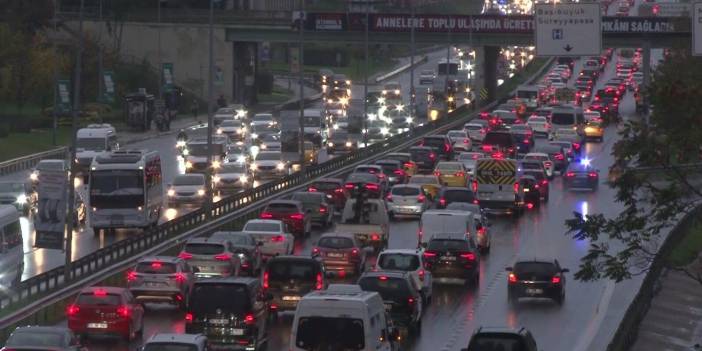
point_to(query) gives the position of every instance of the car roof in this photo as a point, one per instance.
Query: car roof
(401, 251)
(205, 240)
(256, 220)
(501, 330)
(170, 259)
(292, 258)
(178, 338)
(41, 329)
(536, 259)
(383, 273)
(227, 280)
(407, 185)
(107, 289)
(329, 180)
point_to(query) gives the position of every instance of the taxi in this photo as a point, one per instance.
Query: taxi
(451, 173)
(594, 130)
(429, 183)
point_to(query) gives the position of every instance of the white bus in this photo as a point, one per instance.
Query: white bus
(125, 190)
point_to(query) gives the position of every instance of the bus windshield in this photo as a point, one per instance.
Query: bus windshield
(117, 189)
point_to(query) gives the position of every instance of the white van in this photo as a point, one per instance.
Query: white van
(93, 140)
(567, 117)
(343, 317)
(445, 222)
(11, 248)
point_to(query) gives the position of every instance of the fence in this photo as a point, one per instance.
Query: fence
(27, 162)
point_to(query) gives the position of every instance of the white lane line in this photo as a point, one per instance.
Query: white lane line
(594, 326)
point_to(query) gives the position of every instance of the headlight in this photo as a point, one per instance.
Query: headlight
(216, 179)
(34, 176)
(180, 143)
(188, 164)
(186, 152)
(384, 130)
(201, 192)
(216, 164)
(348, 144)
(450, 99)
(22, 199)
(319, 131)
(254, 135)
(434, 114)
(171, 192)
(384, 92)
(244, 179)
(263, 146)
(280, 166)
(239, 131)
(336, 126)
(397, 91)
(241, 159)
(330, 144)
(219, 130)
(254, 166)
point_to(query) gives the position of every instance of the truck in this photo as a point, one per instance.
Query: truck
(367, 219)
(497, 185)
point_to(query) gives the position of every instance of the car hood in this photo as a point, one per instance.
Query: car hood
(187, 188)
(266, 163)
(230, 175)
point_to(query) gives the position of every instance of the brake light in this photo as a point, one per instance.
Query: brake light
(188, 317)
(131, 276)
(421, 198)
(315, 251)
(410, 301)
(319, 283)
(349, 186)
(466, 141)
(468, 256)
(442, 201)
(266, 215)
(432, 155)
(516, 187)
(576, 146)
(447, 147)
(223, 257)
(570, 174)
(322, 209)
(124, 311)
(278, 239)
(156, 265)
(371, 186)
(265, 280)
(487, 147)
(526, 141)
(544, 182)
(421, 274)
(382, 277)
(375, 236)
(297, 216)
(339, 190)
(408, 164)
(597, 98)
(592, 174)
(437, 173)
(475, 186)
(556, 280)
(399, 172)
(249, 319)
(354, 252)
(100, 293)
(429, 254)
(512, 278)
(559, 156)
(460, 174)
(498, 155)
(311, 189)
(548, 164)
(72, 310)
(180, 277)
(185, 255)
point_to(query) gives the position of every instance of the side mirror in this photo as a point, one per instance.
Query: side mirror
(508, 269)
(565, 270)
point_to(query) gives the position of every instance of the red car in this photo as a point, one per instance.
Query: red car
(106, 310)
(292, 213)
(334, 190)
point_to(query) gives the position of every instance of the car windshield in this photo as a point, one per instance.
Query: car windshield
(268, 156)
(327, 333)
(204, 248)
(11, 187)
(362, 177)
(97, 298)
(426, 73)
(94, 144)
(389, 167)
(545, 268)
(324, 186)
(281, 208)
(456, 134)
(50, 166)
(39, 339)
(234, 238)
(285, 270)
(398, 261)
(340, 135)
(210, 297)
(504, 139)
(497, 341)
(389, 288)
(424, 180)
(233, 168)
(335, 242)
(538, 175)
(473, 127)
(448, 244)
(271, 138)
(156, 267)
(189, 180)
(262, 118)
(307, 198)
(405, 191)
(231, 123)
(448, 167)
(435, 142)
(169, 346)
(262, 227)
(116, 189)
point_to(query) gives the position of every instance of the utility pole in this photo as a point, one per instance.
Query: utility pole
(412, 53)
(448, 58)
(74, 127)
(364, 127)
(56, 77)
(210, 116)
(301, 60)
(160, 58)
(99, 57)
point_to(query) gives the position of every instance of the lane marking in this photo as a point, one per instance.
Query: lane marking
(594, 326)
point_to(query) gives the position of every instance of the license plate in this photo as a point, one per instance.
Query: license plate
(483, 193)
(329, 196)
(205, 268)
(97, 325)
(291, 298)
(448, 258)
(534, 291)
(154, 285)
(218, 321)
(334, 254)
(237, 331)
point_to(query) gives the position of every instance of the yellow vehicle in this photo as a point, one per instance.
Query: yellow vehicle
(311, 153)
(407, 164)
(429, 183)
(594, 130)
(451, 173)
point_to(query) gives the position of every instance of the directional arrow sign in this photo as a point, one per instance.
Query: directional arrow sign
(568, 29)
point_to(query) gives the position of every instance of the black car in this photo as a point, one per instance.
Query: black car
(450, 257)
(248, 249)
(579, 176)
(557, 154)
(401, 295)
(287, 278)
(542, 184)
(424, 157)
(500, 142)
(529, 186)
(450, 194)
(541, 278)
(395, 171)
(229, 311)
(486, 338)
(524, 141)
(442, 144)
(340, 141)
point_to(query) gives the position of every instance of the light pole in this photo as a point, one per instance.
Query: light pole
(412, 53)
(99, 57)
(210, 116)
(160, 58)
(448, 59)
(364, 125)
(74, 126)
(301, 77)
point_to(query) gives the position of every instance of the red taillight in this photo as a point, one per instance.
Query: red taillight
(72, 310)
(315, 251)
(322, 209)
(399, 172)
(475, 186)
(498, 155)
(468, 256)
(487, 147)
(349, 186)
(311, 189)
(371, 186)
(576, 146)
(512, 278)
(529, 205)
(597, 98)
(556, 280)
(516, 187)
(354, 252)
(180, 277)
(131, 276)
(459, 174)
(185, 255)
(410, 301)
(592, 174)
(249, 319)
(124, 311)
(278, 239)
(223, 257)
(421, 274)
(447, 147)
(100, 292)
(388, 198)
(156, 265)
(188, 317)
(437, 173)
(526, 141)
(548, 164)
(265, 280)
(442, 201)
(408, 164)
(559, 156)
(432, 155)
(319, 283)
(466, 141)
(266, 215)
(429, 254)
(544, 182)
(375, 236)
(382, 277)
(421, 198)
(297, 216)
(339, 190)
(570, 174)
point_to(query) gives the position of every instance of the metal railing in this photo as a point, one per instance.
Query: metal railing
(27, 162)
(32, 296)
(185, 16)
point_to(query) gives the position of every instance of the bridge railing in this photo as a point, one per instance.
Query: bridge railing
(198, 16)
(27, 162)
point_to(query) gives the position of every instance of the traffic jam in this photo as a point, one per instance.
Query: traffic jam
(320, 262)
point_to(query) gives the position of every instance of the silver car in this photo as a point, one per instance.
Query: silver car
(406, 200)
(232, 176)
(211, 257)
(167, 341)
(33, 338)
(161, 279)
(269, 164)
(187, 189)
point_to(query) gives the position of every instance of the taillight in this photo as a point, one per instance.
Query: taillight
(592, 174)
(559, 156)
(570, 174)
(544, 182)
(265, 280)
(429, 254)
(556, 280)
(124, 311)
(410, 301)
(487, 147)
(548, 164)
(432, 155)
(459, 174)
(266, 215)
(322, 209)
(371, 186)
(466, 141)
(319, 284)
(354, 252)
(516, 187)
(349, 186)
(447, 147)
(421, 274)
(475, 186)
(311, 189)
(223, 257)
(408, 164)
(188, 317)
(576, 146)
(131, 276)
(180, 277)
(437, 173)
(185, 255)
(339, 190)
(315, 251)
(249, 319)
(388, 198)
(297, 216)
(512, 278)
(468, 256)
(72, 310)
(399, 172)
(442, 201)
(526, 141)
(278, 239)
(421, 198)
(375, 237)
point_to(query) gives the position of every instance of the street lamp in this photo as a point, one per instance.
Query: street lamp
(210, 113)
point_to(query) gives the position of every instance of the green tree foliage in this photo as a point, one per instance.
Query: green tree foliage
(623, 245)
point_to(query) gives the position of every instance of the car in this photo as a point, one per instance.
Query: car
(316, 207)
(269, 164)
(424, 157)
(171, 341)
(232, 176)
(448, 195)
(426, 77)
(211, 257)
(270, 142)
(18, 194)
(341, 253)
(469, 160)
(548, 164)
(36, 338)
(539, 125)
(273, 234)
(452, 258)
(401, 295)
(238, 153)
(370, 182)
(106, 310)
(507, 118)
(459, 138)
(541, 185)
(594, 130)
(334, 190)
(224, 114)
(376, 170)
(263, 119)
(429, 183)
(406, 200)
(410, 261)
(531, 195)
(287, 278)
(234, 129)
(405, 158)
(524, 140)
(451, 173)
(476, 131)
(229, 311)
(161, 279)
(581, 176)
(499, 143)
(440, 143)
(592, 116)
(536, 277)
(556, 154)
(516, 339)
(245, 246)
(187, 188)
(482, 225)
(292, 213)
(394, 170)
(567, 148)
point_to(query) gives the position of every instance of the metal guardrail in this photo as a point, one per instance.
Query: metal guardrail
(27, 162)
(185, 16)
(45, 289)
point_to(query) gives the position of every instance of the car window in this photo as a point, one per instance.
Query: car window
(203, 248)
(156, 267)
(235, 239)
(35, 338)
(325, 186)
(98, 298)
(389, 288)
(448, 244)
(398, 261)
(534, 268)
(281, 208)
(188, 180)
(405, 191)
(229, 298)
(262, 227)
(285, 270)
(458, 195)
(335, 242)
(448, 166)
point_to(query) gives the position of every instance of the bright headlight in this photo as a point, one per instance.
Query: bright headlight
(330, 144)
(201, 192)
(186, 152)
(22, 199)
(336, 126)
(180, 143)
(384, 130)
(434, 115)
(34, 176)
(241, 159)
(348, 144)
(216, 164)
(397, 91)
(263, 146)
(188, 164)
(216, 179)
(244, 179)
(219, 130)
(254, 166)
(280, 166)
(254, 135)
(171, 192)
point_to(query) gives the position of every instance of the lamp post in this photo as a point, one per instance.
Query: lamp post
(301, 77)
(364, 125)
(160, 58)
(210, 116)
(412, 53)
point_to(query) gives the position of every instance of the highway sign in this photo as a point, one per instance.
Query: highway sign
(697, 29)
(572, 29)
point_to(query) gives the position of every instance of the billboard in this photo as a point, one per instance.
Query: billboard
(50, 219)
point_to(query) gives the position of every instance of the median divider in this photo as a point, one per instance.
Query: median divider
(41, 299)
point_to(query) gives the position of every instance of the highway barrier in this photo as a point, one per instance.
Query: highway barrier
(27, 162)
(37, 299)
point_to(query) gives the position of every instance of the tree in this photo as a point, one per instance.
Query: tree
(624, 245)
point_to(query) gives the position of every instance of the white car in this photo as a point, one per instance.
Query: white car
(475, 131)
(271, 142)
(469, 159)
(273, 236)
(564, 133)
(459, 137)
(549, 165)
(187, 189)
(539, 125)
(407, 260)
(232, 176)
(269, 164)
(263, 119)
(234, 129)
(163, 341)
